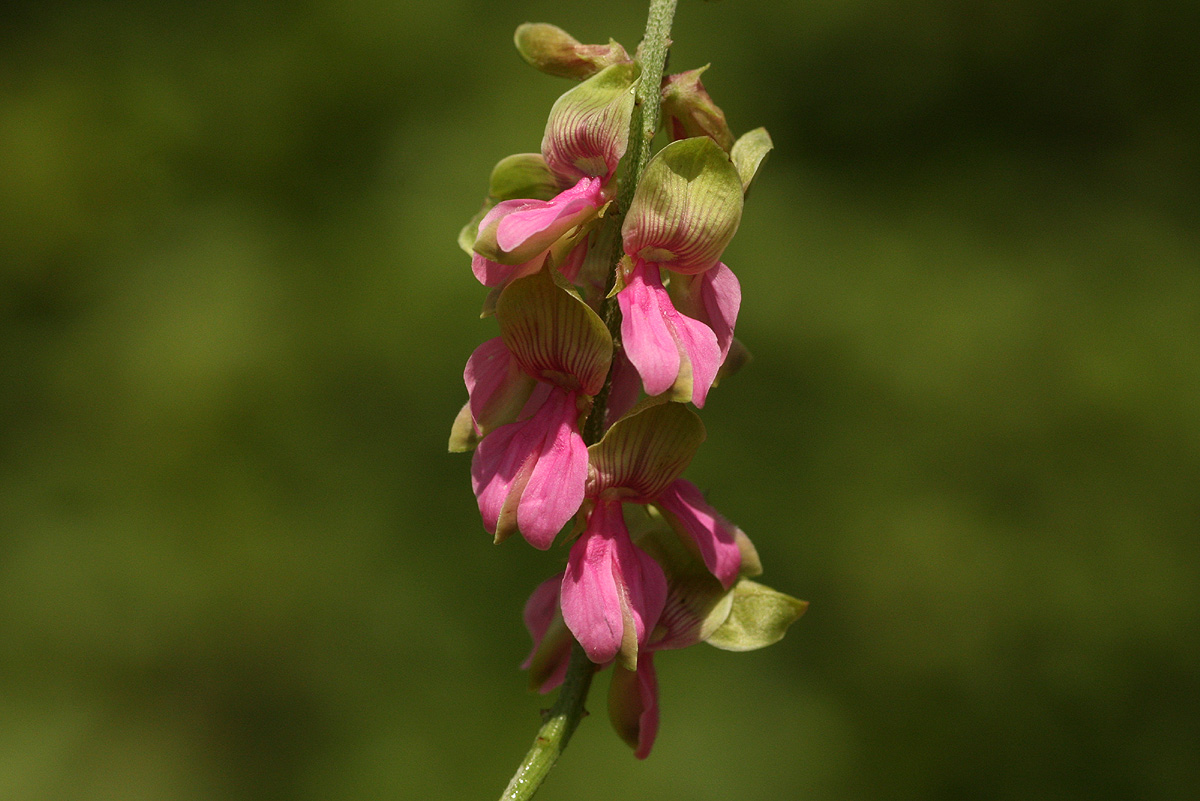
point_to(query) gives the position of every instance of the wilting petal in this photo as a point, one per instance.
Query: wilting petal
(516, 231)
(547, 661)
(633, 705)
(714, 536)
(496, 384)
(669, 349)
(612, 593)
(529, 475)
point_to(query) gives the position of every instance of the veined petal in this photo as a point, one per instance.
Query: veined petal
(643, 452)
(588, 128)
(496, 384)
(686, 208)
(516, 231)
(712, 534)
(507, 461)
(554, 335)
(633, 705)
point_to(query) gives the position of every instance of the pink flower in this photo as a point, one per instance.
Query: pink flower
(669, 349)
(529, 475)
(612, 593)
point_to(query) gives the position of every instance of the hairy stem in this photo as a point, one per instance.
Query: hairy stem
(562, 719)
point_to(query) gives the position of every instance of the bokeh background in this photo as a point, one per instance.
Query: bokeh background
(236, 562)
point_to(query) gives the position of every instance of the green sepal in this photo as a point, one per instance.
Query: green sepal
(625, 704)
(748, 154)
(553, 334)
(737, 358)
(466, 236)
(463, 436)
(556, 52)
(760, 616)
(686, 208)
(522, 176)
(646, 449)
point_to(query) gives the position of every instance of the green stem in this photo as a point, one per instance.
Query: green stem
(562, 719)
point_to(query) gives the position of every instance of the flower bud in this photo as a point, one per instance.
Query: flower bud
(556, 52)
(689, 110)
(588, 129)
(686, 208)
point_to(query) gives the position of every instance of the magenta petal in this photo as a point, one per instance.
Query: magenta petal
(493, 273)
(496, 384)
(554, 492)
(712, 534)
(591, 599)
(647, 338)
(507, 462)
(546, 220)
(722, 296)
(647, 683)
(699, 343)
(644, 582)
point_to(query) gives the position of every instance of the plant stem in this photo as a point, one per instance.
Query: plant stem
(562, 719)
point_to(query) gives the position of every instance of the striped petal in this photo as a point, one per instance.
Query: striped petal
(588, 129)
(645, 451)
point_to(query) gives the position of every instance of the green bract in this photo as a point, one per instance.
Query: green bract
(748, 154)
(554, 335)
(686, 208)
(760, 616)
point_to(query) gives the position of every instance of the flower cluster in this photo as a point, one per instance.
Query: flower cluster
(652, 565)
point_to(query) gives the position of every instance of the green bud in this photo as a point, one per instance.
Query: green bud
(555, 52)
(688, 109)
(760, 616)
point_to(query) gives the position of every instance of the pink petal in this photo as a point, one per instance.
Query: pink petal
(648, 691)
(551, 643)
(591, 599)
(507, 463)
(545, 220)
(713, 535)
(496, 384)
(722, 296)
(699, 342)
(661, 342)
(613, 593)
(554, 492)
(493, 273)
(648, 340)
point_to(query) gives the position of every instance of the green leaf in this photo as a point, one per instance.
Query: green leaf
(748, 154)
(760, 617)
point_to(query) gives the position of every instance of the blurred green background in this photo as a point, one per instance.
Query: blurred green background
(237, 563)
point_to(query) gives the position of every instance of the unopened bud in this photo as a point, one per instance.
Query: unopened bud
(556, 52)
(690, 111)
